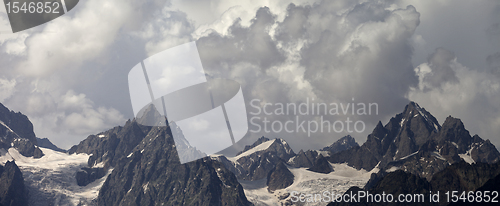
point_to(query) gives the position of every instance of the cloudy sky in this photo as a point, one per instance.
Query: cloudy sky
(69, 76)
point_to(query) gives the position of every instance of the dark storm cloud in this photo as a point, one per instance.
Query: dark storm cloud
(319, 52)
(494, 63)
(243, 44)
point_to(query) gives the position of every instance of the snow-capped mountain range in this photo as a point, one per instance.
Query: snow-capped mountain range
(415, 142)
(269, 170)
(139, 165)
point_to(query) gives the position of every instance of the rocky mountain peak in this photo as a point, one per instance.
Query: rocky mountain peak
(321, 165)
(109, 146)
(12, 189)
(414, 137)
(17, 122)
(342, 144)
(406, 132)
(453, 130)
(303, 159)
(152, 175)
(414, 113)
(379, 128)
(258, 142)
(258, 159)
(279, 177)
(283, 150)
(150, 116)
(17, 131)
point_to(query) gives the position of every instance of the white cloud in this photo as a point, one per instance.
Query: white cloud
(78, 114)
(69, 117)
(15, 45)
(74, 38)
(360, 51)
(167, 29)
(6, 88)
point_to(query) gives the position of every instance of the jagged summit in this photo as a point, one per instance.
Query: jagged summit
(150, 116)
(18, 123)
(152, 174)
(279, 177)
(258, 142)
(143, 161)
(342, 144)
(414, 141)
(321, 165)
(454, 131)
(418, 112)
(304, 159)
(258, 159)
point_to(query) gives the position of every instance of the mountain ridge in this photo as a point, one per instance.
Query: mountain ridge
(415, 136)
(16, 131)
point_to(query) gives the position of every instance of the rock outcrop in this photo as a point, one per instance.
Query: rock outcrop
(279, 177)
(12, 189)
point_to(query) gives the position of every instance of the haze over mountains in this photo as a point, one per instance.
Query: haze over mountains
(139, 165)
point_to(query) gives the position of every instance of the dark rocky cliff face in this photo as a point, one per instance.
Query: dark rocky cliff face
(257, 165)
(492, 185)
(446, 147)
(17, 131)
(308, 158)
(153, 175)
(400, 137)
(18, 122)
(12, 190)
(304, 159)
(321, 165)
(279, 177)
(460, 177)
(108, 147)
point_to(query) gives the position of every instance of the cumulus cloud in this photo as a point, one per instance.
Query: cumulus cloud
(65, 118)
(438, 70)
(329, 52)
(70, 75)
(70, 44)
(6, 88)
(167, 29)
(336, 51)
(81, 117)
